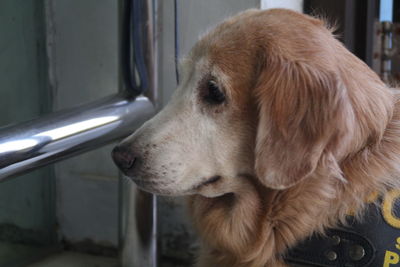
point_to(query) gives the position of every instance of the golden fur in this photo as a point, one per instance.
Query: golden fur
(304, 134)
(325, 131)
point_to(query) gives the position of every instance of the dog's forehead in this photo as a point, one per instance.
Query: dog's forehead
(251, 30)
(236, 50)
(221, 57)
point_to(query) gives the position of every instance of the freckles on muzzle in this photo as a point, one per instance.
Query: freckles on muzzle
(143, 166)
(134, 161)
(136, 166)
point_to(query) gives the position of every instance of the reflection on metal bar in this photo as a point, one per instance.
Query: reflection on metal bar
(138, 238)
(51, 138)
(138, 220)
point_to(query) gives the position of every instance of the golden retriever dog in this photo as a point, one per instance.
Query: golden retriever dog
(275, 132)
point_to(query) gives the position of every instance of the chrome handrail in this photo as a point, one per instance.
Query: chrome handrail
(36, 143)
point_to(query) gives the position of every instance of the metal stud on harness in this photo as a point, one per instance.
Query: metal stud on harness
(373, 242)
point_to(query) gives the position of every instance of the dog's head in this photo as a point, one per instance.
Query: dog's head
(264, 95)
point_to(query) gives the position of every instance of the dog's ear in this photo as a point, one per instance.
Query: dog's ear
(299, 113)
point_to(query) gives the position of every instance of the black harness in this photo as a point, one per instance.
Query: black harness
(371, 243)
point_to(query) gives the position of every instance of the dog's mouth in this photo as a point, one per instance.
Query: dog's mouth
(156, 187)
(213, 180)
(153, 187)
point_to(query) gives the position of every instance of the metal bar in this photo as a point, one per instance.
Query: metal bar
(51, 138)
(138, 209)
(138, 240)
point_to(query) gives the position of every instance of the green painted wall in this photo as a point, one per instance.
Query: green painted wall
(26, 202)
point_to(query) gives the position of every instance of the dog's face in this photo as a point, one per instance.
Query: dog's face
(260, 96)
(202, 141)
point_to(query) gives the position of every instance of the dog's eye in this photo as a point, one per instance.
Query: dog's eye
(214, 94)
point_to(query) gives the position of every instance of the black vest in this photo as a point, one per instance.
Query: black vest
(373, 242)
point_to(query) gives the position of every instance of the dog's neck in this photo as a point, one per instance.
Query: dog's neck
(259, 223)
(376, 167)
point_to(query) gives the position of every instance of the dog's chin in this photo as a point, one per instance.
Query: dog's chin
(206, 192)
(212, 193)
(211, 188)
(156, 189)
(214, 187)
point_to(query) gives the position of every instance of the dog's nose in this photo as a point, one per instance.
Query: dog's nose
(123, 158)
